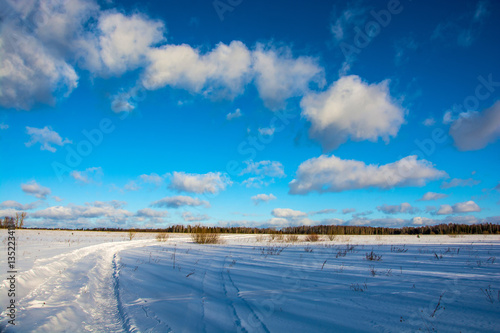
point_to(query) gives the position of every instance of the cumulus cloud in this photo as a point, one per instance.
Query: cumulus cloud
(287, 213)
(212, 182)
(353, 109)
(38, 63)
(419, 221)
(75, 212)
(323, 211)
(279, 76)
(404, 208)
(456, 182)
(113, 203)
(429, 122)
(148, 212)
(89, 175)
(236, 114)
(35, 189)
(46, 137)
(265, 168)
(461, 207)
(266, 131)
(348, 210)
(4, 126)
(18, 206)
(190, 217)
(29, 73)
(429, 196)
(37, 40)
(121, 43)
(151, 179)
(475, 130)
(222, 71)
(179, 201)
(262, 198)
(332, 174)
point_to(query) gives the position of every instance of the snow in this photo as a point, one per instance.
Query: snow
(103, 282)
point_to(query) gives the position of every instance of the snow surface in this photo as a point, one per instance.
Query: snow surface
(103, 282)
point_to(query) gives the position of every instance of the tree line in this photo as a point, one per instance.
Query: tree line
(440, 229)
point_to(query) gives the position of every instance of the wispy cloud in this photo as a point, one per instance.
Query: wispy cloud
(179, 201)
(46, 137)
(262, 198)
(457, 182)
(35, 189)
(87, 176)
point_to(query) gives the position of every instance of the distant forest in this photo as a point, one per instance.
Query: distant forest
(441, 229)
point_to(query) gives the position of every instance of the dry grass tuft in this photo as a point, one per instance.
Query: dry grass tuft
(312, 238)
(162, 237)
(204, 236)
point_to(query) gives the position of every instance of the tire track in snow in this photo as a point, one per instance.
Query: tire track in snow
(241, 306)
(77, 291)
(237, 319)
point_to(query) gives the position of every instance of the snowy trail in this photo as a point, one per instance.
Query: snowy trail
(76, 291)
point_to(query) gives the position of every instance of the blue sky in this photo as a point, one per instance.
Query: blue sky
(125, 114)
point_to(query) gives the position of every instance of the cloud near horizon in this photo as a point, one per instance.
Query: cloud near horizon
(332, 174)
(179, 201)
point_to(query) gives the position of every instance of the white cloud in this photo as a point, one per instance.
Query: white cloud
(332, 174)
(266, 131)
(121, 102)
(257, 182)
(262, 198)
(404, 208)
(348, 210)
(148, 212)
(190, 217)
(429, 121)
(264, 168)
(456, 182)
(343, 24)
(89, 175)
(113, 203)
(287, 213)
(279, 76)
(75, 212)
(18, 206)
(46, 137)
(475, 130)
(223, 71)
(29, 72)
(461, 207)
(432, 196)
(3, 126)
(236, 114)
(353, 109)
(121, 43)
(35, 189)
(151, 179)
(37, 63)
(179, 201)
(211, 182)
(323, 211)
(418, 221)
(131, 186)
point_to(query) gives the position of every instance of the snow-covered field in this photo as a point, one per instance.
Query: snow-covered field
(103, 282)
